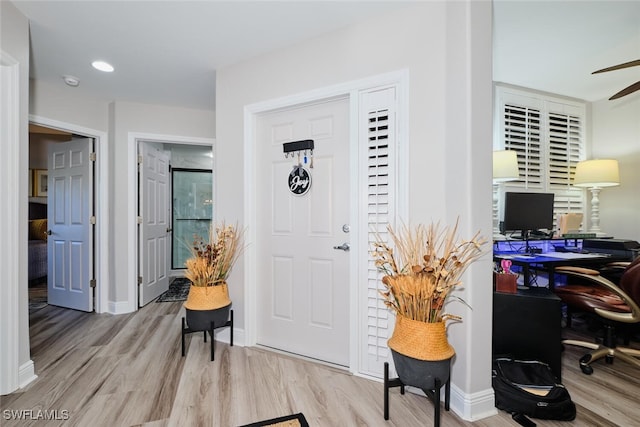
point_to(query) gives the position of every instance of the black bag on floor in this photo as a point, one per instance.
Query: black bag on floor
(529, 388)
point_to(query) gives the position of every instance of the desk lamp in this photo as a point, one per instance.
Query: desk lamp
(505, 168)
(594, 175)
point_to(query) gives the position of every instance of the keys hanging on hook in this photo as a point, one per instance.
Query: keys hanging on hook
(305, 157)
(299, 162)
(311, 160)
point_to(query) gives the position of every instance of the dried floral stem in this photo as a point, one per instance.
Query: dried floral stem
(425, 268)
(212, 261)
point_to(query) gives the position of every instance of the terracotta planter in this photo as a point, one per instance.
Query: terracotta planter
(421, 340)
(207, 297)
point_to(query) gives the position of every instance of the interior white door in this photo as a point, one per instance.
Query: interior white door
(303, 293)
(69, 199)
(154, 228)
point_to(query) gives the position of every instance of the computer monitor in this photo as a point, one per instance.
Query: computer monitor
(527, 212)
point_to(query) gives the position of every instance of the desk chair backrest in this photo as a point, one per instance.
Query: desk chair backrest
(630, 280)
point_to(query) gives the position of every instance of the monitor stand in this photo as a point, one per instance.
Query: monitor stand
(525, 236)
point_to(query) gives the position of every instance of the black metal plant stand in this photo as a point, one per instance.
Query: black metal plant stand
(186, 330)
(434, 395)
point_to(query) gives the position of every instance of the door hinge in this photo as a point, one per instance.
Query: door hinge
(139, 280)
(92, 156)
(139, 159)
(92, 283)
(92, 220)
(139, 219)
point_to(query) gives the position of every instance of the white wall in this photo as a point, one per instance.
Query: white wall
(65, 104)
(14, 37)
(189, 156)
(616, 134)
(449, 62)
(126, 118)
(118, 119)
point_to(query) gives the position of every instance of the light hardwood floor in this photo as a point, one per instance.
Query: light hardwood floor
(127, 370)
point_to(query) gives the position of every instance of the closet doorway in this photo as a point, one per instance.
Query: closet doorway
(190, 203)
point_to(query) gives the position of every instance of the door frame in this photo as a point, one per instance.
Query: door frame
(350, 89)
(101, 244)
(134, 139)
(13, 220)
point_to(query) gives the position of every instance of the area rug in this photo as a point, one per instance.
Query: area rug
(37, 296)
(178, 291)
(37, 303)
(295, 420)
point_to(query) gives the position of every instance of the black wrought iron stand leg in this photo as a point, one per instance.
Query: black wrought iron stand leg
(183, 337)
(213, 341)
(386, 390)
(389, 383)
(436, 402)
(231, 328)
(447, 393)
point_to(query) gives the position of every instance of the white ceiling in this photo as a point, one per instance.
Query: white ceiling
(554, 46)
(166, 52)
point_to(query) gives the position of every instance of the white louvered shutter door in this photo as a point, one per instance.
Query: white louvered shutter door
(377, 152)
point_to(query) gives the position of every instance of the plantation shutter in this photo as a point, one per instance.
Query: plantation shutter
(548, 135)
(377, 150)
(522, 134)
(566, 149)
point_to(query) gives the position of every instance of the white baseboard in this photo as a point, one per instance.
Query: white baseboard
(474, 406)
(120, 307)
(224, 335)
(27, 373)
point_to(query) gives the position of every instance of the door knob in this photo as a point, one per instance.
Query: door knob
(343, 247)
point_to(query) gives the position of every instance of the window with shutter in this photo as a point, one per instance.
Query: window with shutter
(548, 135)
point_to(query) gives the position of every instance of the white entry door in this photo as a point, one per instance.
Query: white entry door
(69, 199)
(303, 285)
(154, 228)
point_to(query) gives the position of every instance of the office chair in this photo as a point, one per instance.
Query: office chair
(598, 295)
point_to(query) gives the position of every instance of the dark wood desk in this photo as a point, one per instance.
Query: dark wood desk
(527, 325)
(549, 261)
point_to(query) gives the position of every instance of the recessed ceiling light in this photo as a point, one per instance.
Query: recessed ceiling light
(71, 80)
(102, 66)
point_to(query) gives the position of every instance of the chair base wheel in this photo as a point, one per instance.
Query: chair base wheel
(584, 364)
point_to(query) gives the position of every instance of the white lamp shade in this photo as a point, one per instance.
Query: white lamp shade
(505, 166)
(597, 173)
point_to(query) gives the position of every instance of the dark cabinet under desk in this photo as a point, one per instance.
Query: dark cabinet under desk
(527, 325)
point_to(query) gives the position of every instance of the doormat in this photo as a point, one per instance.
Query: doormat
(295, 420)
(37, 303)
(178, 290)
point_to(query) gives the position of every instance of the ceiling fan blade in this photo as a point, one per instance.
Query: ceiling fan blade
(626, 91)
(619, 66)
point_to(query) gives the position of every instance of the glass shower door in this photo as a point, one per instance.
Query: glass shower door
(192, 191)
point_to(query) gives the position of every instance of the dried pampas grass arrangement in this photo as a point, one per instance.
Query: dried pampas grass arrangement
(422, 267)
(211, 261)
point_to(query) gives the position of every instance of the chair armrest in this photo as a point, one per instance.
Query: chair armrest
(632, 317)
(623, 264)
